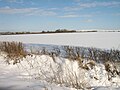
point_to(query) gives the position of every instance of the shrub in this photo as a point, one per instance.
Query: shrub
(111, 69)
(13, 50)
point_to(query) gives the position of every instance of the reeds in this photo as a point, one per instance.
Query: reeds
(14, 51)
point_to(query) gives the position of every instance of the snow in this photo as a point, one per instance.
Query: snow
(30, 73)
(15, 77)
(106, 40)
(27, 75)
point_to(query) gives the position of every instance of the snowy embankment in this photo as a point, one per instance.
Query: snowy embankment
(22, 76)
(106, 40)
(49, 72)
(41, 72)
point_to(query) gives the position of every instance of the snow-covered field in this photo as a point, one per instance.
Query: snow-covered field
(105, 40)
(30, 74)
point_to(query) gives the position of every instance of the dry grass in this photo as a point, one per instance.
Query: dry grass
(14, 51)
(62, 75)
(91, 63)
(111, 69)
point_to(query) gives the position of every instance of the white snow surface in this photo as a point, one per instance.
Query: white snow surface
(30, 73)
(105, 40)
(18, 77)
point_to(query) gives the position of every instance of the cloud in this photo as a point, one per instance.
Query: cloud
(42, 12)
(69, 16)
(53, 9)
(8, 10)
(26, 11)
(88, 21)
(96, 4)
(13, 1)
(74, 16)
(82, 5)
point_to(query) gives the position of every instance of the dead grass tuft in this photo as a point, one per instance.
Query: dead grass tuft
(14, 51)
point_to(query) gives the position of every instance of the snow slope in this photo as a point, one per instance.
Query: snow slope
(30, 75)
(92, 39)
(16, 77)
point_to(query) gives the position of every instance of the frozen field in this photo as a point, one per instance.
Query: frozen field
(105, 40)
(43, 72)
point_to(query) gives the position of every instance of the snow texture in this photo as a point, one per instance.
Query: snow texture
(106, 40)
(27, 76)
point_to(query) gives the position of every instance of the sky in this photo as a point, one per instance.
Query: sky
(39, 15)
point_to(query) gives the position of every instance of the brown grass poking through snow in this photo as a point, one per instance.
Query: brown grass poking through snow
(14, 51)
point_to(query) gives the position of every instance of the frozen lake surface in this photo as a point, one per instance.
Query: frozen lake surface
(105, 40)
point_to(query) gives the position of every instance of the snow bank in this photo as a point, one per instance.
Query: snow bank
(40, 72)
(19, 77)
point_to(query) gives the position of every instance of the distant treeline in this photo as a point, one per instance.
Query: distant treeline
(56, 31)
(14, 33)
(59, 31)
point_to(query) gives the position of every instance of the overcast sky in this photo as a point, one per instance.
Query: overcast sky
(38, 15)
